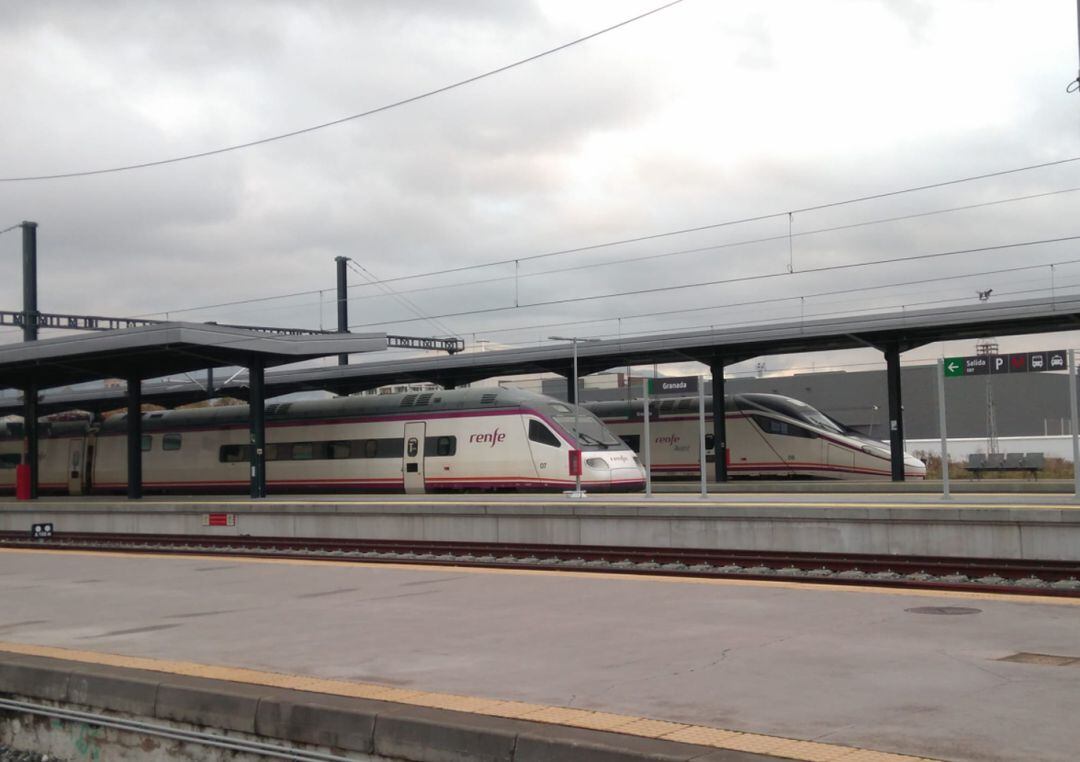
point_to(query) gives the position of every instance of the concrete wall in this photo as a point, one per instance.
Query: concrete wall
(1019, 533)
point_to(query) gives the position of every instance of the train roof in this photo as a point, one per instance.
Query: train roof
(13, 429)
(484, 398)
(662, 405)
(687, 405)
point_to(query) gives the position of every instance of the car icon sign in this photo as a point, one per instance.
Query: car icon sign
(1057, 361)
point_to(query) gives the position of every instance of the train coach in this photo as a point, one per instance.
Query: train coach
(768, 435)
(472, 439)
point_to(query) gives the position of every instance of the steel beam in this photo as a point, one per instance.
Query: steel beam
(29, 266)
(134, 438)
(896, 410)
(257, 426)
(342, 303)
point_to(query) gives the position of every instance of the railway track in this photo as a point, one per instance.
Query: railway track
(917, 572)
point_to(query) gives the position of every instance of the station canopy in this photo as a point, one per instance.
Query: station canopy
(160, 350)
(906, 329)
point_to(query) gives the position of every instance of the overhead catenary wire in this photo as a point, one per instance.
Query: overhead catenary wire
(363, 272)
(712, 247)
(741, 279)
(779, 299)
(819, 314)
(728, 223)
(352, 117)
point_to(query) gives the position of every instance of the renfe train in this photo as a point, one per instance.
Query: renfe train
(472, 439)
(768, 435)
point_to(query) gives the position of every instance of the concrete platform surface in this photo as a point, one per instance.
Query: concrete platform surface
(799, 495)
(915, 674)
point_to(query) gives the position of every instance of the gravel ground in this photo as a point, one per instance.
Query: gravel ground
(7, 754)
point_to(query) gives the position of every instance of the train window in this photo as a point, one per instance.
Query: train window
(10, 459)
(303, 451)
(782, 428)
(278, 452)
(234, 454)
(633, 441)
(414, 447)
(710, 441)
(338, 450)
(147, 442)
(371, 448)
(171, 442)
(538, 432)
(444, 446)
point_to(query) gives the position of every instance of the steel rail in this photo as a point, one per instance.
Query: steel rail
(613, 560)
(163, 731)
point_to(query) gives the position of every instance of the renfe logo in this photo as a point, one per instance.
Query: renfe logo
(670, 439)
(494, 437)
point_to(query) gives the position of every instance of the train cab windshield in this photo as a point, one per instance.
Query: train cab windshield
(588, 430)
(796, 409)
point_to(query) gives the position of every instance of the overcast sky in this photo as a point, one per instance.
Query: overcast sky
(703, 113)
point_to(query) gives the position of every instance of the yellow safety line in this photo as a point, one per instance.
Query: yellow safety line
(712, 502)
(835, 587)
(702, 735)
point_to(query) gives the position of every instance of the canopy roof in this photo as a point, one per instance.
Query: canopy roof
(159, 350)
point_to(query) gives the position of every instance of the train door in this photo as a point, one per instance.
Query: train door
(841, 460)
(413, 462)
(76, 466)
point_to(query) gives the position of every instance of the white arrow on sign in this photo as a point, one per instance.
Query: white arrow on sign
(953, 367)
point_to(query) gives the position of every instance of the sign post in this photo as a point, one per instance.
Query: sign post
(943, 371)
(1075, 430)
(701, 435)
(646, 443)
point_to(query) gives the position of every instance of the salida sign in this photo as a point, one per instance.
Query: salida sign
(674, 385)
(1019, 362)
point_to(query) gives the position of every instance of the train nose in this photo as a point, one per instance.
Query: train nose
(914, 467)
(619, 472)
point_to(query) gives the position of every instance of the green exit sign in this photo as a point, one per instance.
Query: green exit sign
(954, 366)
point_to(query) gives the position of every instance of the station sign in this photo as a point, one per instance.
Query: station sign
(41, 531)
(673, 385)
(1018, 362)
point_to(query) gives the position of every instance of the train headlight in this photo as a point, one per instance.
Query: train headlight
(597, 463)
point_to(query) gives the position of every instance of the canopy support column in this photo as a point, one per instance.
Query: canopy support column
(896, 410)
(30, 431)
(719, 420)
(134, 438)
(257, 425)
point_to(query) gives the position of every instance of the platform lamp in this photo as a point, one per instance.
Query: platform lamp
(578, 492)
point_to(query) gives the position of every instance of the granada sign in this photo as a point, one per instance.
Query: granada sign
(673, 385)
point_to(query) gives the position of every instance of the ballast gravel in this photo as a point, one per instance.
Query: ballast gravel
(7, 754)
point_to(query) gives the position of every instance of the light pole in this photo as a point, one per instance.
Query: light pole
(577, 477)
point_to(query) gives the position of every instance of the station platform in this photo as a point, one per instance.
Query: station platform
(406, 662)
(1003, 526)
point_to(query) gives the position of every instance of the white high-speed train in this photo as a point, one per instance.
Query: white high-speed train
(768, 436)
(472, 439)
